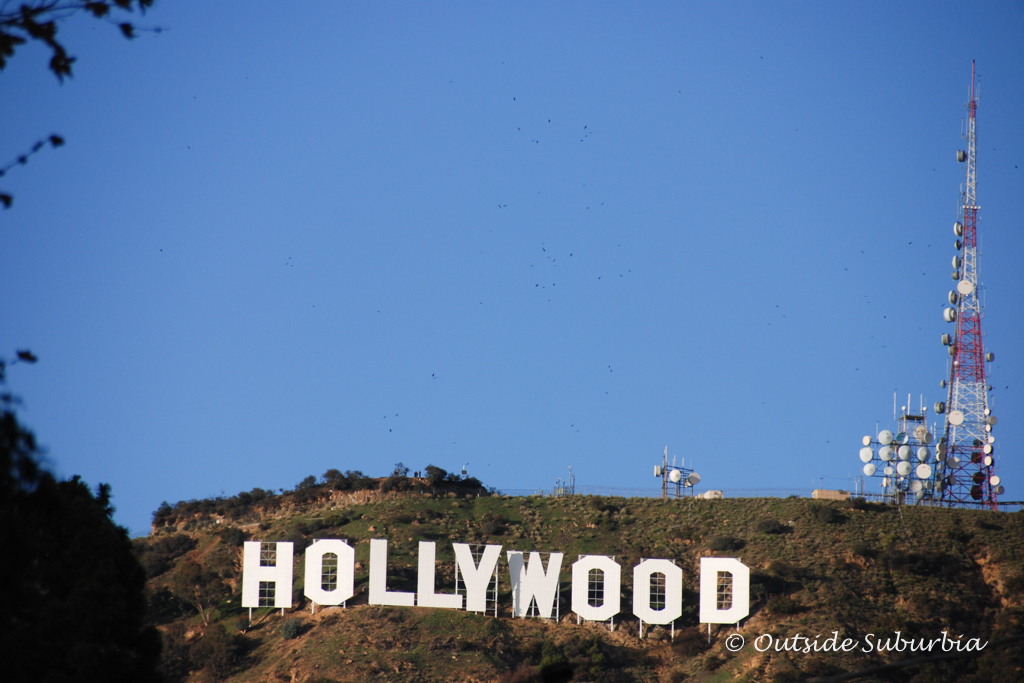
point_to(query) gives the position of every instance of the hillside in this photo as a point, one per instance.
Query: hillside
(817, 567)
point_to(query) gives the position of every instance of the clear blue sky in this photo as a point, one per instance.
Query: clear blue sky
(287, 238)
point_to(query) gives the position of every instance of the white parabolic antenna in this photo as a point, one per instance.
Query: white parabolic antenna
(956, 417)
(903, 469)
(988, 461)
(675, 476)
(869, 470)
(866, 441)
(885, 453)
(693, 479)
(995, 480)
(924, 471)
(965, 287)
(888, 472)
(904, 452)
(866, 454)
(923, 454)
(915, 486)
(885, 437)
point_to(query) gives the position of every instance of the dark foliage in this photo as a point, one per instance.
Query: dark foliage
(690, 642)
(829, 515)
(783, 604)
(233, 537)
(74, 604)
(722, 543)
(158, 556)
(435, 475)
(292, 628)
(37, 20)
(770, 526)
(218, 652)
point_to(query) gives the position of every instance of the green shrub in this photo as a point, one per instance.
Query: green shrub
(783, 604)
(233, 537)
(292, 628)
(863, 549)
(720, 543)
(770, 526)
(829, 515)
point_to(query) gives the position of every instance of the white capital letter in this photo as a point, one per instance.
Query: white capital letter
(673, 608)
(477, 579)
(611, 583)
(733, 571)
(379, 593)
(532, 582)
(425, 595)
(279, 574)
(345, 586)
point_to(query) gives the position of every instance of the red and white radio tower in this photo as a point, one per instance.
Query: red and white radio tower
(965, 468)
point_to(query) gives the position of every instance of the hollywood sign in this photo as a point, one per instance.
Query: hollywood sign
(267, 581)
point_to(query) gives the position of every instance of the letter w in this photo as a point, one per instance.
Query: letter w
(532, 582)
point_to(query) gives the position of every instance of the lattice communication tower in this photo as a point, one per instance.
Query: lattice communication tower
(965, 467)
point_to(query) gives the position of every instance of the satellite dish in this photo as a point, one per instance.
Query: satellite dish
(866, 454)
(965, 287)
(903, 469)
(956, 264)
(675, 476)
(987, 448)
(866, 441)
(991, 420)
(904, 452)
(939, 456)
(657, 470)
(949, 315)
(869, 470)
(923, 454)
(885, 481)
(958, 229)
(988, 461)
(956, 417)
(928, 438)
(920, 431)
(902, 438)
(998, 490)
(995, 480)
(885, 437)
(923, 471)
(990, 356)
(888, 471)
(940, 406)
(991, 439)
(885, 453)
(919, 494)
(942, 383)
(693, 479)
(952, 298)
(915, 487)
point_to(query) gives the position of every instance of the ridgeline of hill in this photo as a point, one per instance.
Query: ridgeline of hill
(816, 567)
